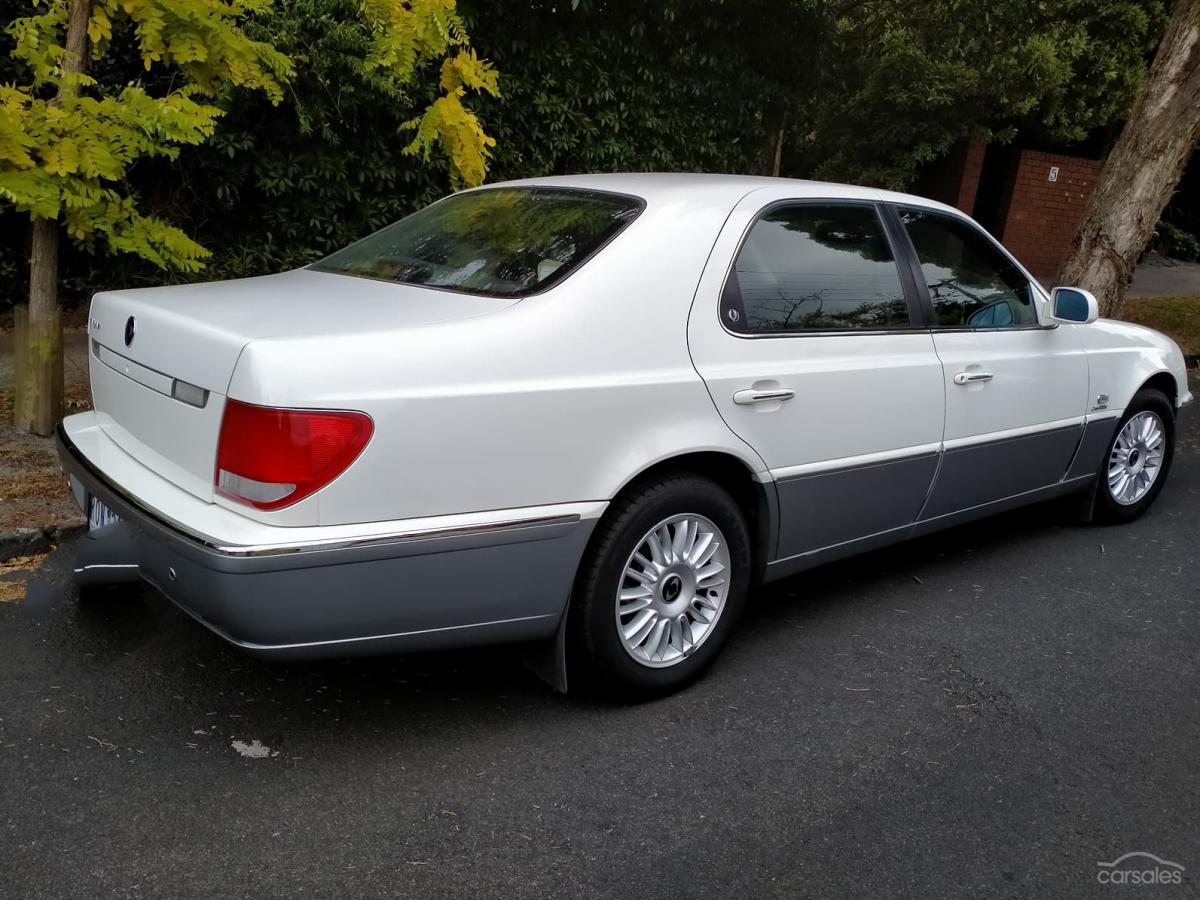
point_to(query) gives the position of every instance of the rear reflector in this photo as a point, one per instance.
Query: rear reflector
(269, 458)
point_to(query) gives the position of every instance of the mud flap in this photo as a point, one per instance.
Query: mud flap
(548, 659)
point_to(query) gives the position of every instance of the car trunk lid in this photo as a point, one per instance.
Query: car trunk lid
(162, 358)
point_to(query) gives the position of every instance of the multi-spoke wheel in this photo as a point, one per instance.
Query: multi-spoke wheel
(1138, 458)
(673, 590)
(662, 584)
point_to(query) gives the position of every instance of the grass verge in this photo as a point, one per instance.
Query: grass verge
(1177, 317)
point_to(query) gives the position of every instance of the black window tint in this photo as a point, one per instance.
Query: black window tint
(971, 283)
(500, 242)
(815, 267)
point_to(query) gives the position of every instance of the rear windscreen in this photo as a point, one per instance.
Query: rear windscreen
(499, 242)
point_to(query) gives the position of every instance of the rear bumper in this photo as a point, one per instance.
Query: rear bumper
(493, 583)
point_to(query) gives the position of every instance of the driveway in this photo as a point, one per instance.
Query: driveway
(993, 710)
(1159, 276)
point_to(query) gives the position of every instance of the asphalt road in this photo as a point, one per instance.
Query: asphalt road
(989, 711)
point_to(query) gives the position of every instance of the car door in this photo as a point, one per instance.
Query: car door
(811, 341)
(1016, 389)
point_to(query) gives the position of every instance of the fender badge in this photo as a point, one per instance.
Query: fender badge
(130, 330)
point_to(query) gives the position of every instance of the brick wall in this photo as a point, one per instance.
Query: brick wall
(1042, 214)
(954, 180)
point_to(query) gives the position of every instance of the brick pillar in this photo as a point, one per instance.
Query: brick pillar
(972, 168)
(1048, 195)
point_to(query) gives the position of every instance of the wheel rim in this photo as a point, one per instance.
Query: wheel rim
(673, 590)
(1136, 458)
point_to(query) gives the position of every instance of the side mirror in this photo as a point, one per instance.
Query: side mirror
(1068, 304)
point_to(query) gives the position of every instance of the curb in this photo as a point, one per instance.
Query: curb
(30, 541)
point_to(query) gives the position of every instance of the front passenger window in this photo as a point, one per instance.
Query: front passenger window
(971, 283)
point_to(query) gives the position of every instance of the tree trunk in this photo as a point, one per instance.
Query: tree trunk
(39, 372)
(1143, 169)
(37, 406)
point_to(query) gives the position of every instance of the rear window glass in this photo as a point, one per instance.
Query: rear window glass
(499, 242)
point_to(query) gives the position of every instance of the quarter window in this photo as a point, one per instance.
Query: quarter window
(815, 267)
(971, 283)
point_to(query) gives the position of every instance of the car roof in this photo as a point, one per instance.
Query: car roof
(720, 190)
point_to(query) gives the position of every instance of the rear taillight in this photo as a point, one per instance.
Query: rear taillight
(270, 458)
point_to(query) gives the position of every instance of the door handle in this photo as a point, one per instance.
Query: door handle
(972, 377)
(750, 397)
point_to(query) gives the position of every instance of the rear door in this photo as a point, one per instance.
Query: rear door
(814, 350)
(1016, 389)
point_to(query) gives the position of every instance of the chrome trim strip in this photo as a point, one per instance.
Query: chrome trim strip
(393, 537)
(71, 456)
(828, 547)
(1008, 434)
(251, 645)
(1048, 488)
(135, 371)
(964, 329)
(848, 463)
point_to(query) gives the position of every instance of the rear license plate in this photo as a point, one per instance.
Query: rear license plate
(99, 515)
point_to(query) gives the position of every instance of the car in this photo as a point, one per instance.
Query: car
(590, 413)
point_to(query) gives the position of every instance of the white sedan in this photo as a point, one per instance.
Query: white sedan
(592, 412)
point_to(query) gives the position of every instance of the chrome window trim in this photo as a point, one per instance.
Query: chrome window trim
(877, 206)
(951, 213)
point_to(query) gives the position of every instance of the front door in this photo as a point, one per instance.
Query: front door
(816, 355)
(1016, 390)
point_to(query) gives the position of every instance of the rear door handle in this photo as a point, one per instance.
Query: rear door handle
(750, 396)
(972, 377)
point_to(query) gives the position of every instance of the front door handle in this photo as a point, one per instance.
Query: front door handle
(750, 397)
(972, 377)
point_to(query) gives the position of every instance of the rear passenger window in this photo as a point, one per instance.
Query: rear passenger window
(971, 283)
(815, 267)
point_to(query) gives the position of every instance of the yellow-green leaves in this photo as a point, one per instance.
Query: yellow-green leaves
(406, 33)
(66, 142)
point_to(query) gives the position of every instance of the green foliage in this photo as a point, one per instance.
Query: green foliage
(403, 34)
(68, 140)
(1175, 242)
(65, 153)
(902, 82)
(865, 91)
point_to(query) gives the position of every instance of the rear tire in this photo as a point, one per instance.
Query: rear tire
(662, 584)
(1135, 467)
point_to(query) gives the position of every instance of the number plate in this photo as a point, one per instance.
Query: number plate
(99, 515)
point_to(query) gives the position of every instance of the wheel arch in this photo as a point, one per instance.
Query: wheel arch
(757, 499)
(1165, 382)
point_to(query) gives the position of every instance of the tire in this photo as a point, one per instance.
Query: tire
(1124, 501)
(599, 659)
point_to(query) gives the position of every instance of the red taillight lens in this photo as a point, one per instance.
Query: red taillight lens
(271, 458)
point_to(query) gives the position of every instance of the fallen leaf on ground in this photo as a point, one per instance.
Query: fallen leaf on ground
(11, 591)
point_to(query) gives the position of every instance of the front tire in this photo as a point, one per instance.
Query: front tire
(1139, 456)
(660, 589)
